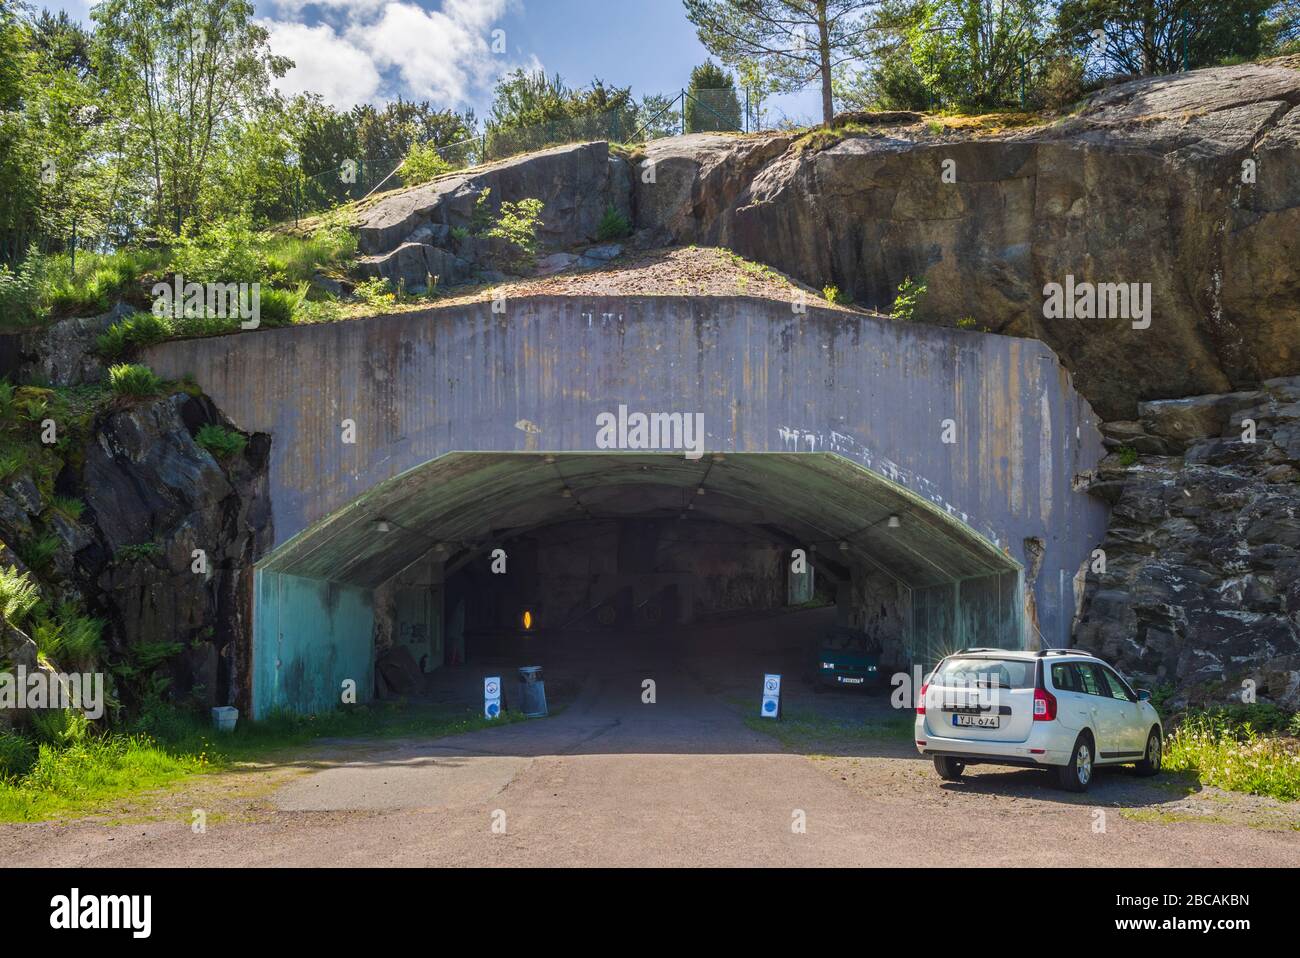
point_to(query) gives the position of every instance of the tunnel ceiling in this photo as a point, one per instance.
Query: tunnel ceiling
(475, 501)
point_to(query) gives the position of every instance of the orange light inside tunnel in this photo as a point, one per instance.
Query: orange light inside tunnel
(528, 620)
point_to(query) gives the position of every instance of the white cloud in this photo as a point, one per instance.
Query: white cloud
(324, 63)
(358, 47)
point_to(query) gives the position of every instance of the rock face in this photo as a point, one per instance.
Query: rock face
(1201, 588)
(152, 497)
(1148, 184)
(409, 235)
(157, 496)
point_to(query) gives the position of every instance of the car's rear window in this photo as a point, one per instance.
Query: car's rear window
(985, 673)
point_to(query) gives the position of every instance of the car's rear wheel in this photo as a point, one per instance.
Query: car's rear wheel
(1077, 776)
(949, 769)
(1150, 764)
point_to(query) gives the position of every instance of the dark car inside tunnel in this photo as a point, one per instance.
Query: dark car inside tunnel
(724, 567)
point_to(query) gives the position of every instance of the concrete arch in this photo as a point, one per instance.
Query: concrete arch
(765, 378)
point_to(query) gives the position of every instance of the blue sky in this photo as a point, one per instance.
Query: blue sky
(449, 51)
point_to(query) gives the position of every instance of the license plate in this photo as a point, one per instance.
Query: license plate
(975, 721)
(848, 681)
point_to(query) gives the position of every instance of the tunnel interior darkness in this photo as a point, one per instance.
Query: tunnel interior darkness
(468, 542)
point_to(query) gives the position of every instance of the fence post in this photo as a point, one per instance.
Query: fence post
(684, 113)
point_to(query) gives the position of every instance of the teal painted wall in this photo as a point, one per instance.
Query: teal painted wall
(310, 635)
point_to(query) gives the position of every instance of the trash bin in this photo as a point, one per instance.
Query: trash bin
(532, 692)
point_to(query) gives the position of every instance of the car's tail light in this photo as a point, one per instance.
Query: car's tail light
(920, 701)
(1044, 706)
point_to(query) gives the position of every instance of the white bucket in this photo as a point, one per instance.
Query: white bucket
(224, 718)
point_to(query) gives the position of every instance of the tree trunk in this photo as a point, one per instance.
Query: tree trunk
(824, 48)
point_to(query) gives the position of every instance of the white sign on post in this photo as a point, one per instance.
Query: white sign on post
(771, 697)
(492, 697)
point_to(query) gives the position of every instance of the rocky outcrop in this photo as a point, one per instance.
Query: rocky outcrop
(152, 498)
(424, 231)
(158, 498)
(1148, 184)
(1201, 588)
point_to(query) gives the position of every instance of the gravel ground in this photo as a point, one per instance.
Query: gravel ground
(684, 781)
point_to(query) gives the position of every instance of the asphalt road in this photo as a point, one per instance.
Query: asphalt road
(683, 781)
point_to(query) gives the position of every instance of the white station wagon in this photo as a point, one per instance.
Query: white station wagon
(1063, 709)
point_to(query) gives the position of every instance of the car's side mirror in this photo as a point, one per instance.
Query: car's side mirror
(1143, 695)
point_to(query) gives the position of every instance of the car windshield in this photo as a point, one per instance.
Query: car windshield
(985, 673)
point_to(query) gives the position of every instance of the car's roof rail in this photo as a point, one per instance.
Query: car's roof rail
(965, 651)
(1042, 653)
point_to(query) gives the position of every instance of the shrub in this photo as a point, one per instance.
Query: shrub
(130, 379)
(22, 290)
(138, 550)
(39, 552)
(613, 225)
(18, 595)
(68, 638)
(832, 294)
(1061, 85)
(68, 506)
(10, 462)
(280, 306)
(1128, 456)
(295, 259)
(98, 284)
(518, 225)
(909, 295)
(224, 251)
(376, 293)
(423, 163)
(221, 442)
(60, 728)
(17, 755)
(138, 329)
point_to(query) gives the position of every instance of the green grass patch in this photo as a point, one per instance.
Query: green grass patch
(165, 746)
(1228, 752)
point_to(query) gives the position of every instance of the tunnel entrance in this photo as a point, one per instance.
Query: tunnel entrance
(477, 555)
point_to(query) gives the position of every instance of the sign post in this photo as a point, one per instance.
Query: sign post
(771, 697)
(492, 697)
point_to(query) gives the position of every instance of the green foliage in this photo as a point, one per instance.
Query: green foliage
(280, 306)
(377, 293)
(1230, 752)
(613, 225)
(832, 294)
(99, 280)
(296, 259)
(220, 251)
(318, 311)
(712, 104)
(1128, 456)
(909, 296)
(60, 728)
(221, 442)
(531, 111)
(422, 164)
(18, 595)
(134, 380)
(137, 551)
(22, 291)
(68, 639)
(38, 553)
(68, 506)
(518, 224)
(133, 332)
(1145, 37)
(17, 755)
